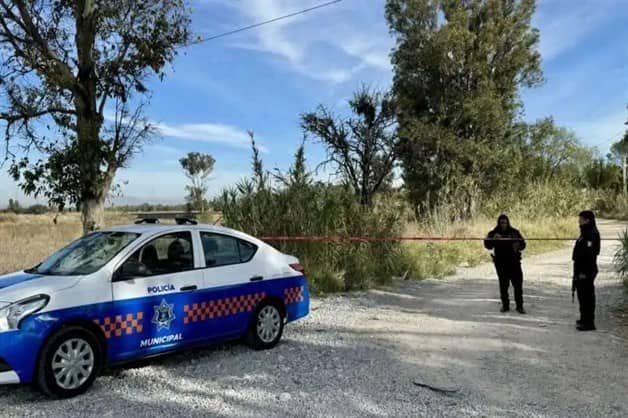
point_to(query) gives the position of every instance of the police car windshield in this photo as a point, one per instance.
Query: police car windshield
(85, 255)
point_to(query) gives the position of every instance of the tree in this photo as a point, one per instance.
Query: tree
(549, 151)
(14, 206)
(620, 148)
(297, 177)
(619, 151)
(197, 168)
(458, 67)
(363, 147)
(603, 174)
(62, 63)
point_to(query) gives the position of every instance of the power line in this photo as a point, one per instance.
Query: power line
(266, 22)
(612, 139)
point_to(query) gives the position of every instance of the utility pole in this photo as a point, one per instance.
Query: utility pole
(624, 173)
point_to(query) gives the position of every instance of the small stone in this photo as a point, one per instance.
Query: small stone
(285, 397)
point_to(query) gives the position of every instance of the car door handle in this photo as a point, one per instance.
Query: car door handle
(256, 278)
(189, 288)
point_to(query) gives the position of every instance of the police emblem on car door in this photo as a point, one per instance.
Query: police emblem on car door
(164, 315)
(158, 280)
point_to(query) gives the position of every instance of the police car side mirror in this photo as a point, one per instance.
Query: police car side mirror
(131, 269)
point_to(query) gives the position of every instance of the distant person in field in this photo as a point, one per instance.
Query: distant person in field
(507, 243)
(584, 258)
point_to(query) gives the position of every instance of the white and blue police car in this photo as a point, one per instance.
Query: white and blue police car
(131, 292)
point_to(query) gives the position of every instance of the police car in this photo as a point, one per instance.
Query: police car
(137, 291)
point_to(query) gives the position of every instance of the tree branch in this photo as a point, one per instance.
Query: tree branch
(65, 77)
(11, 118)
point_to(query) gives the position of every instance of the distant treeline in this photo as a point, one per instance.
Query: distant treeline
(39, 209)
(15, 207)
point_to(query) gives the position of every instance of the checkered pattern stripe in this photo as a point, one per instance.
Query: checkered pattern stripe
(221, 307)
(293, 295)
(118, 326)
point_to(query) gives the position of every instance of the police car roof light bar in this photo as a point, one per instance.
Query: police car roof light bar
(147, 221)
(185, 221)
(180, 218)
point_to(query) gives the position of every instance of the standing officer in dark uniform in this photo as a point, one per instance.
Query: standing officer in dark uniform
(584, 258)
(507, 244)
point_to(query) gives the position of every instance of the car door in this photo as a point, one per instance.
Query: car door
(233, 285)
(150, 289)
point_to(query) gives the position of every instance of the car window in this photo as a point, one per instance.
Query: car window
(166, 254)
(86, 255)
(247, 250)
(222, 250)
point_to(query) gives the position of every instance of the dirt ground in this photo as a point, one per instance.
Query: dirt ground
(535, 364)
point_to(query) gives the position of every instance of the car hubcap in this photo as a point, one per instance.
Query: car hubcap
(73, 363)
(268, 324)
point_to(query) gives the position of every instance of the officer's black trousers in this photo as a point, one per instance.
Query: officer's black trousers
(510, 272)
(586, 298)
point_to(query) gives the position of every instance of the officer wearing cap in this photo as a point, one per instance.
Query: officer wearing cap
(585, 269)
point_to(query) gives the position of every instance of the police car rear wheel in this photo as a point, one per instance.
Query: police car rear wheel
(266, 328)
(69, 363)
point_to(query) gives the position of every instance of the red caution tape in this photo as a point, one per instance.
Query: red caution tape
(417, 238)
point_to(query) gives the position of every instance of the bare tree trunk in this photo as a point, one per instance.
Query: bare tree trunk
(94, 183)
(93, 214)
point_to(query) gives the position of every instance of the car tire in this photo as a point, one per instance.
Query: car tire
(59, 381)
(266, 326)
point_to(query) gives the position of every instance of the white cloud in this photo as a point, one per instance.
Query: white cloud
(373, 51)
(207, 132)
(216, 133)
(565, 23)
(331, 44)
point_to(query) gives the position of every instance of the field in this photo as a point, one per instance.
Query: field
(439, 259)
(27, 239)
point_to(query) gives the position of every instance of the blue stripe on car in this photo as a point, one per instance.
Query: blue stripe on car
(154, 324)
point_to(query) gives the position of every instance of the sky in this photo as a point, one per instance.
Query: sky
(261, 80)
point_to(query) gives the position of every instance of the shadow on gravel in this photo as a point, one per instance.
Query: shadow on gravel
(325, 371)
(473, 301)
(298, 378)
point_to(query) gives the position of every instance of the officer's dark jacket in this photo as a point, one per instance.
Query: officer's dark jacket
(504, 250)
(586, 250)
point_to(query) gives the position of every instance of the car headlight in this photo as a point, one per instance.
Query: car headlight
(12, 315)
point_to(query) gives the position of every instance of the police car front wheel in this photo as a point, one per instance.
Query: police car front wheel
(69, 363)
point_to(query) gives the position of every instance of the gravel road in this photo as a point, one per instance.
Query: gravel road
(359, 355)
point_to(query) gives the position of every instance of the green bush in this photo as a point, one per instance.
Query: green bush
(611, 205)
(293, 204)
(296, 205)
(37, 209)
(621, 257)
(555, 199)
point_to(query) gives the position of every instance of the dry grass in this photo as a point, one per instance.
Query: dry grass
(442, 258)
(28, 239)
